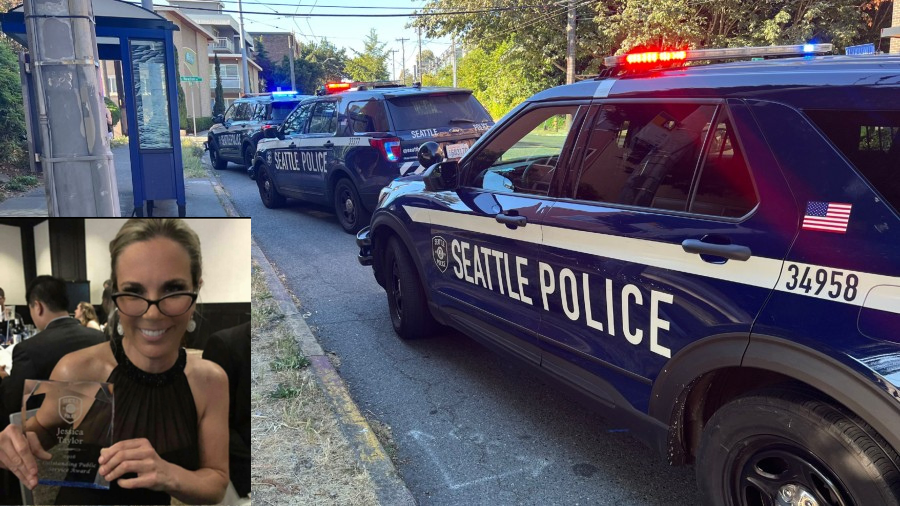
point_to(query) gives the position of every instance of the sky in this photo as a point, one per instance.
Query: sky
(346, 32)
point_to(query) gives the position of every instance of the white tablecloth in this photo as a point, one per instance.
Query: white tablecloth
(6, 357)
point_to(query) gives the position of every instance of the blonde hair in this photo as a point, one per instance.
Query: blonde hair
(87, 313)
(144, 229)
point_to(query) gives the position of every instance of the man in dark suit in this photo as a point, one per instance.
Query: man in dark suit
(230, 348)
(35, 358)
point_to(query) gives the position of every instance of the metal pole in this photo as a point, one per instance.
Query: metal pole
(393, 64)
(291, 52)
(193, 108)
(79, 174)
(453, 58)
(419, 59)
(570, 36)
(147, 4)
(245, 85)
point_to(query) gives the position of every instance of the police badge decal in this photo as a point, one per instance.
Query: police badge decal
(439, 250)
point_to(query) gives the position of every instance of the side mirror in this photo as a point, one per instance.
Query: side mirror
(270, 133)
(442, 176)
(218, 118)
(429, 154)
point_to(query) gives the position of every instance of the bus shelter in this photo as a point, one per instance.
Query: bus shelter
(142, 40)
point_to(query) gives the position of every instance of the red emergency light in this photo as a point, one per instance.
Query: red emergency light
(337, 87)
(655, 56)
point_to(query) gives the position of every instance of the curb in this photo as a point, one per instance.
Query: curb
(220, 191)
(389, 487)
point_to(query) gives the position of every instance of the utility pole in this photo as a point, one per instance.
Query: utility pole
(291, 44)
(453, 58)
(403, 58)
(419, 60)
(393, 64)
(570, 36)
(245, 84)
(80, 178)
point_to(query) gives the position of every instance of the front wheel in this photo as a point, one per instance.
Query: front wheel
(248, 156)
(216, 159)
(348, 207)
(785, 448)
(407, 303)
(267, 191)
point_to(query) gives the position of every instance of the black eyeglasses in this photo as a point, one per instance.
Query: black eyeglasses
(174, 304)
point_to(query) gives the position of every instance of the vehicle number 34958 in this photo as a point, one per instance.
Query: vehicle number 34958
(832, 283)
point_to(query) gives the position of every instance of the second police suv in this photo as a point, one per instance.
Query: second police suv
(342, 148)
(709, 252)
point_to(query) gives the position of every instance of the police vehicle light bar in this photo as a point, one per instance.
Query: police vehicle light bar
(731, 53)
(337, 87)
(283, 93)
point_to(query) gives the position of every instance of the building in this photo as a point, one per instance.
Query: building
(277, 45)
(225, 44)
(192, 41)
(894, 31)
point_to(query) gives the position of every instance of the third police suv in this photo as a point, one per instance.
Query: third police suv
(708, 252)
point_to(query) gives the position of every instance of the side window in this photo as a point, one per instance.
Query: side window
(523, 158)
(243, 111)
(644, 154)
(297, 120)
(260, 113)
(367, 116)
(725, 187)
(323, 119)
(229, 114)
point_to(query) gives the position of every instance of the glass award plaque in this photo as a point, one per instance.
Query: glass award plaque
(73, 421)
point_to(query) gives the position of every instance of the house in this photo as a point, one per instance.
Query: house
(277, 45)
(225, 44)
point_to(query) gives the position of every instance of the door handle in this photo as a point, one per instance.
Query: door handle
(511, 221)
(730, 251)
(328, 144)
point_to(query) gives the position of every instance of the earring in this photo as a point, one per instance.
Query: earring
(120, 330)
(192, 325)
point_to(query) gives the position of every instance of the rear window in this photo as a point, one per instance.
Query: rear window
(280, 110)
(431, 111)
(871, 141)
(368, 116)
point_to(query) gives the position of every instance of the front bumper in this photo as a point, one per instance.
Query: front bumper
(364, 241)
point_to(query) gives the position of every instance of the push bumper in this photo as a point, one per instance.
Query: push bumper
(364, 241)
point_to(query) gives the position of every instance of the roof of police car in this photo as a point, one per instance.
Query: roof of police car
(400, 91)
(738, 78)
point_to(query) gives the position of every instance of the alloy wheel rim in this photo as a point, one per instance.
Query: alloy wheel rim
(396, 292)
(778, 473)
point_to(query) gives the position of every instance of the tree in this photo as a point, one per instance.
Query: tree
(12, 113)
(266, 75)
(182, 104)
(371, 63)
(219, 104)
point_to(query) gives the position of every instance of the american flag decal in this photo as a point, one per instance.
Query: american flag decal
(826, 217)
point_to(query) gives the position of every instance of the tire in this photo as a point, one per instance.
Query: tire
(217, 161)
(267, 191)
(348, 207)
(758, 446)
(407, 303)
(248, 152)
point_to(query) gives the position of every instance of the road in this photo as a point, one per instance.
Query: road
(469, 426)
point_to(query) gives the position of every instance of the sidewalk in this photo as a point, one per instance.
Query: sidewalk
(201, 197)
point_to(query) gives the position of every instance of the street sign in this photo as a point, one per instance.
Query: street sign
(195, 79)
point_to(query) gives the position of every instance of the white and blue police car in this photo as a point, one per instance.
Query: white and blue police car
(709, 252)
(340, 149)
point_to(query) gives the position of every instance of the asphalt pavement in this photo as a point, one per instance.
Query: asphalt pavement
(470, 426)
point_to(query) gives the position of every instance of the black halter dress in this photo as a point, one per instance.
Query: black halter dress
(159, 407)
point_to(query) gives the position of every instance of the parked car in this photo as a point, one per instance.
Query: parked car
(707, 252)
(234, 135)
(342, 149)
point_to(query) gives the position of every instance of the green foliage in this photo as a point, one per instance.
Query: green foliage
(498, 78)
(191, 156)
(21, 183)
(12, 113)
(283, 391)
(316, 64)
(118, 142)
(203, 123)
(219, 104)
(261, 57)
(182, 105)
(289, 362)
(371, 63)
(114, 110)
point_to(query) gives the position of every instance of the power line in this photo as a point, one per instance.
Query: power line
(413, 14)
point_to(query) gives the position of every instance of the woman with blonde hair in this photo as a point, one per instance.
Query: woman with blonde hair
(170, 425)
(85, 314)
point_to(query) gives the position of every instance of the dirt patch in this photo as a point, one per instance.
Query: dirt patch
(300, 455)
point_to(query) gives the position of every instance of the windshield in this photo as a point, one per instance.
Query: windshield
(414, 112)
(280, 110)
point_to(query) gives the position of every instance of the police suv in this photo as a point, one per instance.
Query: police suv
(234, 135)
(708, 252)
(341, 149)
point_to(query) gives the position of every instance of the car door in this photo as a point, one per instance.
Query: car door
(285, 156)
(663, 240)
(484, 237)
(316, 147)
(224, 138)
(230, 142)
